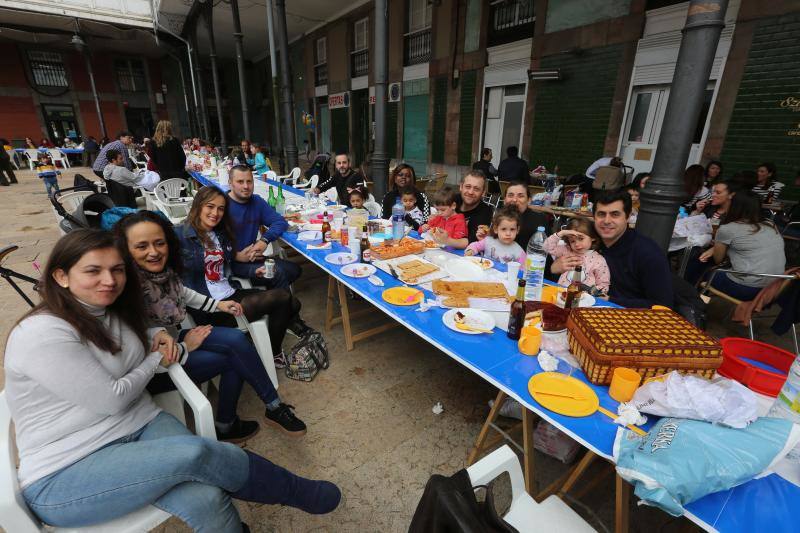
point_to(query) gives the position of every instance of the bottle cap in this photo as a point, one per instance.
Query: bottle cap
(540, 228)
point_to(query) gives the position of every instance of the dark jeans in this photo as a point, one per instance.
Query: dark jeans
(286, 273)
(227, 353)
(722, 282)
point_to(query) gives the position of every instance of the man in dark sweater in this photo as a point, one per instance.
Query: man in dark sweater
(514, 168)
(640, 274)
(345, 179)
(248, 213)
(471, 204)
(485, 165)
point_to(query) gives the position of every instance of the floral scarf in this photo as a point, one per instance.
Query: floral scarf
(163, 297)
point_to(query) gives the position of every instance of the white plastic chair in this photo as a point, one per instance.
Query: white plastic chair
(553, 514)
(168, 199)
(72, 200)
(33, 156)
(13, 155)
(271, 175)
(58, 157)
(14, 513)
(374, 208)
(291, 177)
(311, 184)
(332, 195)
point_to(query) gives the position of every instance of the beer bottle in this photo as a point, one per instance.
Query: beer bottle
(516, 317)
(326, 228)
(573, 297)
(366, 254)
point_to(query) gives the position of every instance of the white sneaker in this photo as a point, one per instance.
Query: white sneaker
(511, 408)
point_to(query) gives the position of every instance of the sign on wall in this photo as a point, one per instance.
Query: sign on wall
(339, 100)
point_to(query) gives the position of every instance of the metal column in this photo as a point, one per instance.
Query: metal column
(664, 191)
(380, 157)
(201, 95)
(95, 95)
(273, 63)
(212, 56)
(286, 86)
(237, 37)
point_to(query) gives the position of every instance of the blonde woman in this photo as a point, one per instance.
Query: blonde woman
(166, 152)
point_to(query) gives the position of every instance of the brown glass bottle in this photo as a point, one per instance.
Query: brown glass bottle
(326, 228)
(366, 253)
(516, 317)
(573, 296)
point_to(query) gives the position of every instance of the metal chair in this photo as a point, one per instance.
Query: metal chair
(552, 514)
(16, 516)
(707, 288)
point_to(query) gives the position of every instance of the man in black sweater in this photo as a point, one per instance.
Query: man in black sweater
(640, 274)
(514, 168)
(345, 179)
(476, 212)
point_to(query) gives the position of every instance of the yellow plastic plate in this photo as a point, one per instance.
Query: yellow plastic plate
(583, 403)
(402, 296)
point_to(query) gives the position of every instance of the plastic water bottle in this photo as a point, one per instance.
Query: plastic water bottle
(682, 213)
(787, 404)
(398, 224)
(534, 266)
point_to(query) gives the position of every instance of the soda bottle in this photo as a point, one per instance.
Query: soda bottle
(398, 220)
(516, 317)
(326, 228)
(534, 266)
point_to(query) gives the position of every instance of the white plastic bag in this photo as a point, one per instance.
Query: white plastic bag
(150, 180)
(721, 401)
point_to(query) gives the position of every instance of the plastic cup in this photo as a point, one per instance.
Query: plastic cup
(513, 270)
(624, 383)
(550, 294)
(530, 341)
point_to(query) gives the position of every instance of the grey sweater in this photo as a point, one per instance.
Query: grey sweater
(69, 398)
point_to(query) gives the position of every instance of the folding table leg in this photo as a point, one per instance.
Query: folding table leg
(622, 514)
(577, 472)
(348, 332)
(527, 439)
(487, 425)
(330, 305)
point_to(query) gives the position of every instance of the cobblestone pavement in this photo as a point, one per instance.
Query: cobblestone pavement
(371, 429)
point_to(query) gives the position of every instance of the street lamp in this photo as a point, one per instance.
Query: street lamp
(80, 45)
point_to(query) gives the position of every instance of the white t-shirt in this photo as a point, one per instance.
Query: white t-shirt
(217, 283)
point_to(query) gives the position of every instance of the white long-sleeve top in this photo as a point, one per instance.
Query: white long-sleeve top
(69, 398)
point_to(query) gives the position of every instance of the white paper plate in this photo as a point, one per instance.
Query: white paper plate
(465, 270)
(309, 236)
(482, 262)
(341, 258)
(475, 318)
(358, 270)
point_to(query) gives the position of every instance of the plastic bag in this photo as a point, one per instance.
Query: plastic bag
(721, 400)
(681, 461)
(149, 180)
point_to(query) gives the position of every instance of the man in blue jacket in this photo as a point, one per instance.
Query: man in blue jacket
(248, 213)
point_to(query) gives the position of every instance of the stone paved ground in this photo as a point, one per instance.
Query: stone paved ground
(371, 429)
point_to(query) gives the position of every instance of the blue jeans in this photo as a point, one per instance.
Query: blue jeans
(161, 464)
(227, 353)
(724, 283)
(286, 273)
(51, 184)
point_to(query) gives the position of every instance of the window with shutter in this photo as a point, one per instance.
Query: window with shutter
(439, 118)
(361, 34)
(466, 122)
(322, 51)
(47, 68)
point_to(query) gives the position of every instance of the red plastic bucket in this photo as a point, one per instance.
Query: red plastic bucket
(736, 350)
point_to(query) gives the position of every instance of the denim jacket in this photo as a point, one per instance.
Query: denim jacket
(194, 263)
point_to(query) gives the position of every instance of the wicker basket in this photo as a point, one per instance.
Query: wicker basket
(648, 341)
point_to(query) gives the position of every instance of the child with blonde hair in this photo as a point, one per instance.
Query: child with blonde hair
(579, 238)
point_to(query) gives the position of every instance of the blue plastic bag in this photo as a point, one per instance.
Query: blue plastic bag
(681, 460)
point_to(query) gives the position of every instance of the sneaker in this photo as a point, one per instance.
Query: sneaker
(284, 418)
(240, 431)
(280, 360)
(298, 327)
(511, 408)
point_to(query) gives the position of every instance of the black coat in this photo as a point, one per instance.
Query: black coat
(169, 159)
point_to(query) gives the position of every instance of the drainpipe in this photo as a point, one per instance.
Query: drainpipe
(202, 110)
(273, 63)
(286, 86)
(189, 52)
(380, 157)
(664, 191)
(212, 56)
(237, 36)
(80, 46)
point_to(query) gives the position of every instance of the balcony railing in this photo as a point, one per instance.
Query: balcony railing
(321, 75)
(359, 63)
(511, 20)
(418, 47)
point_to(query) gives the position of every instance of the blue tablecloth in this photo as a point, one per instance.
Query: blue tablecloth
(762, 504)
(65, 150)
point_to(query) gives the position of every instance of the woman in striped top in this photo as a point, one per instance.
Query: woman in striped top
(721, 195)
(767, 188)
(696, 192)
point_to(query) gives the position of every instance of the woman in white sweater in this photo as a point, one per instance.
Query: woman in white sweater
(92, 444)
(205, 351)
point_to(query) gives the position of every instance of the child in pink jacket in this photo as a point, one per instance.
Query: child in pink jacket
(581, 239)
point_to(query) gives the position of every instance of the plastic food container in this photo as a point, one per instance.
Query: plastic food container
(738, 356)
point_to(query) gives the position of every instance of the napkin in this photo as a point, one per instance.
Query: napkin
(629, 415)
(321, 246)
(547, 361)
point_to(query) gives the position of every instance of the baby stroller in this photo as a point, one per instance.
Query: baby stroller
(79, 208)
(320, 167)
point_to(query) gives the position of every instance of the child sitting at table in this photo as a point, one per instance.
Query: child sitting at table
(447, 227)
(581, 240)
(48, 173)
(357, 204)
(500, 245)
(414, 216)
(633, 191)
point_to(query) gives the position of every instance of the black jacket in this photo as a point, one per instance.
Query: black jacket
(354, 180)
(169, 159)
(513, 169)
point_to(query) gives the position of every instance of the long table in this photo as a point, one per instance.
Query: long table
(763, 504)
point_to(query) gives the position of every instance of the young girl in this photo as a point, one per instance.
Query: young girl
(500, 245)
(414, 216)
(581, 240)
(447, 227)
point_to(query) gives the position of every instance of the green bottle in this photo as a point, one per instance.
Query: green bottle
(280, 201)
(271, 200)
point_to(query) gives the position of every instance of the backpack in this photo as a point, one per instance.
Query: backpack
(608, 178)
(688, 303)
(307, 358)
